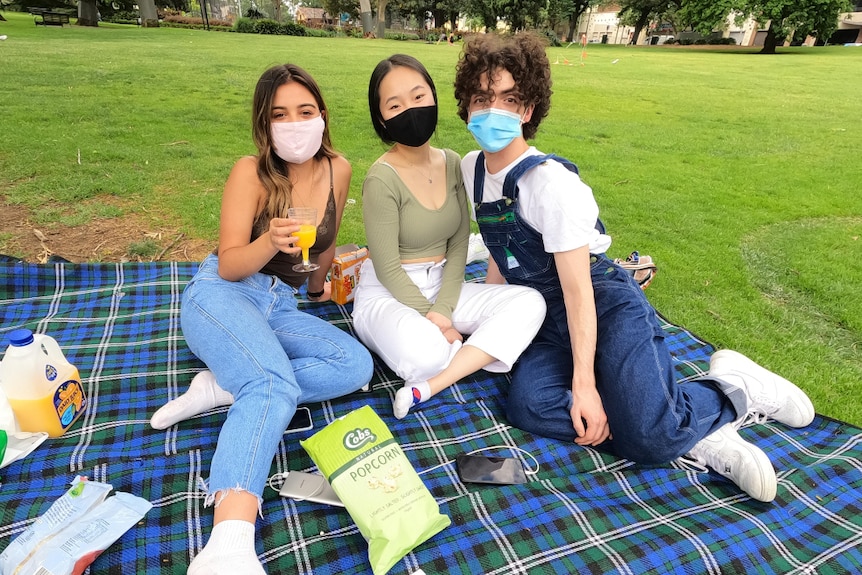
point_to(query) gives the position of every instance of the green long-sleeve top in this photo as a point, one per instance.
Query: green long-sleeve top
(398, 227)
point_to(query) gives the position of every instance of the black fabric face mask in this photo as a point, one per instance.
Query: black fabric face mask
(413, 127)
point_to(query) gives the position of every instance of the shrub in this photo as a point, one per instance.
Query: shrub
(291, 29)
(700, 42)
(267, 26)
(401, 36)
(318, 33)
(254, 14)
(352, 31)
(244, 25)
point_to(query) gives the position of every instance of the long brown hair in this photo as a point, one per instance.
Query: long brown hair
(272, 170)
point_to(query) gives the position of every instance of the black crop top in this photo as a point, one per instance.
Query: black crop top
(281, 264)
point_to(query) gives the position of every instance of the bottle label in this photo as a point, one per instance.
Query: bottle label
(69, 401)
(50, 372)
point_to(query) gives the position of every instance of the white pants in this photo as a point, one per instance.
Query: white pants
(501, 320)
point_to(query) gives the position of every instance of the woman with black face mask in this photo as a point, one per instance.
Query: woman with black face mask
(412, 306)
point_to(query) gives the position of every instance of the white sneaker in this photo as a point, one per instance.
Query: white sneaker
(726, 453)
(769, 394)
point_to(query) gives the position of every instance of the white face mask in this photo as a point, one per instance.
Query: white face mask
(297, 142)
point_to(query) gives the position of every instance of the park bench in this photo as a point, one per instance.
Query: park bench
(49, 18)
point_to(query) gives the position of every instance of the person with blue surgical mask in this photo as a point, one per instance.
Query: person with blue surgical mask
(412, 306)
(599, 372)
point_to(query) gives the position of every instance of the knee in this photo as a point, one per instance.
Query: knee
(530, 409)
(359, 363)
(648, 449)
(418, 364)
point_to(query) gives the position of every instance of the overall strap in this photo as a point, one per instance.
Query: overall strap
(510, 187)
(510, 184)
(479, 178)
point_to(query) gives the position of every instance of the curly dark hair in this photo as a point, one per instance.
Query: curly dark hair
(523, 56)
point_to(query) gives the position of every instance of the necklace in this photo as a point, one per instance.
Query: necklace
(428, 175)
(406, 163)
(304, 198)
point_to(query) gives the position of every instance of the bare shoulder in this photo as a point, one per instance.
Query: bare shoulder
(244, 184)
(245, 167)
(342, 172)
(341, 167)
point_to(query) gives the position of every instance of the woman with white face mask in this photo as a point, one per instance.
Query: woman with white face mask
(239, 313)
(412, 306)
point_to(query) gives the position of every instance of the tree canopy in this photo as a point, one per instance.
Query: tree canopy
(786, 17)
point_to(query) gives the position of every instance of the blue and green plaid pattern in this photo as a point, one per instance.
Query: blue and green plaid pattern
(584, 511)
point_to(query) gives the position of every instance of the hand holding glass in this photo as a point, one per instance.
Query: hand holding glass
(307, 234)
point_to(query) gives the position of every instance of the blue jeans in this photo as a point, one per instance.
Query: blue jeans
(653, 418)
(271, 357)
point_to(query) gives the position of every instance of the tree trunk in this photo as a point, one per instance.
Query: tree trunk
(573, 21)
(87, 14)
(770, 42)
(439, 17)
(149, 16)
(639, 26)
(381, 18)
(453, 19)
(365, 15)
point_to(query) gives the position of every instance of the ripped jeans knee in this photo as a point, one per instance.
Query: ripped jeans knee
(214, 498)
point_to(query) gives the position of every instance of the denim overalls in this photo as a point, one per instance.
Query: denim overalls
(653, 419)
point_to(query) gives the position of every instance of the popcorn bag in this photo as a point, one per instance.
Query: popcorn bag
(344, 275)
(366, 467)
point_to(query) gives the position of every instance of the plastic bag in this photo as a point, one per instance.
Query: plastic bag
(75, 503)
(72, 550)
(18, 445)
(366, 467)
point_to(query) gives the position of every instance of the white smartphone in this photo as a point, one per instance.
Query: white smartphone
(309, 486)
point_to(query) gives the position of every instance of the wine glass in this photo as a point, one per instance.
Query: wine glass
(307, 234)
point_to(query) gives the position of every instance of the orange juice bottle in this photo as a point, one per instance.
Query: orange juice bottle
(43, 388)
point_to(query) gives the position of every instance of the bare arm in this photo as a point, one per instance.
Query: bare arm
(494, 276)
(238, 256)
(573, 268)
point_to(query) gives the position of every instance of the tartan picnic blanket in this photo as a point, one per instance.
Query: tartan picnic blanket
(585, 511)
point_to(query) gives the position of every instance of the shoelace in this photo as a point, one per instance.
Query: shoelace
(688, 463)
(751, 417)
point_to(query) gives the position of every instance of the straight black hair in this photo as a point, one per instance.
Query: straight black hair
(383, 68)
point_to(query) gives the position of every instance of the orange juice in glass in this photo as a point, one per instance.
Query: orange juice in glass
(307, 235)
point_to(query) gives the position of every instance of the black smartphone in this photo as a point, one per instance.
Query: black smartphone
(483, 469)
(301, 421)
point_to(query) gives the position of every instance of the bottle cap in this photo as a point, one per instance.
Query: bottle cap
(21, 337)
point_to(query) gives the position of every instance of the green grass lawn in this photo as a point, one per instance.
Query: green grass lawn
(738, 173)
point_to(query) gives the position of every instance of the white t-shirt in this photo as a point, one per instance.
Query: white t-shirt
(553, 200)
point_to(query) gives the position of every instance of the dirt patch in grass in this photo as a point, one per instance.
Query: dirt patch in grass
(136, 237)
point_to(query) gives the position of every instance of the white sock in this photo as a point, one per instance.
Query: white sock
(229, 551)
(408, 396)
(204, 393)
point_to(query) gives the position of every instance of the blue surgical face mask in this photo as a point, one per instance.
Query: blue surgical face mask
(494, 129)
